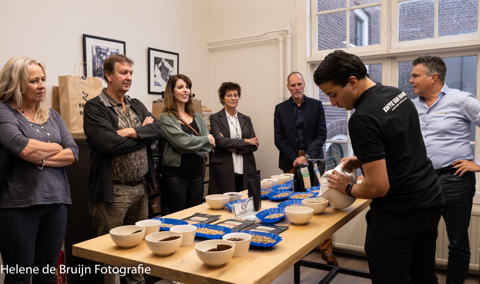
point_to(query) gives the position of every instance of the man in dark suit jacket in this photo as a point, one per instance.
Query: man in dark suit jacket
(300, 132)
(300, 126)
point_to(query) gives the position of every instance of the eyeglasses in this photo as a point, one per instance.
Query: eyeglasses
(230, 95)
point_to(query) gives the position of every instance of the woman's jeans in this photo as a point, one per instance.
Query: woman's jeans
(182, 192)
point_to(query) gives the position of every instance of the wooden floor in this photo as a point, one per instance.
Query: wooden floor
(311, 276)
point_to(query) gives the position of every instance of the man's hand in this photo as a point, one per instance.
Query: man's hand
(338, 181)
(300, 161)
(127, 132)
(464, 166)
(350, 164)
(147, 120)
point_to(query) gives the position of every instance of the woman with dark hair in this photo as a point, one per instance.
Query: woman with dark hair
(235, 140)
(34, 189)
(186, 142)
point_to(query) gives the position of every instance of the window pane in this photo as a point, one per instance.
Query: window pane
(354, 3)
(327, 5)
(416, 20)
(461, 75)
(375, 72)
(336, 119)
(457, 17)
(404, 75)
(365, 26)
(332, 31)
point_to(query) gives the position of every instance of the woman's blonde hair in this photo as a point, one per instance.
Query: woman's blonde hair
(13, 83)
(169, 97)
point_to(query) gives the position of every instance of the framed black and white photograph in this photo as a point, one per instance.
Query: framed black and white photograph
(161, 65)
(96, 50)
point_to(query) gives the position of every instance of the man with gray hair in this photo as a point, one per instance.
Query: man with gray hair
(446, 116)
(119, 131)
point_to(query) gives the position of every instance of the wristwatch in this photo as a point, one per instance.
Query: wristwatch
(307, 157)
(348, 190)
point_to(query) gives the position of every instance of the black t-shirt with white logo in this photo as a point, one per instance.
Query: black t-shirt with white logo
(385, 125)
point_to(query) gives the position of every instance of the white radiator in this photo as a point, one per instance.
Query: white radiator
(351, 239)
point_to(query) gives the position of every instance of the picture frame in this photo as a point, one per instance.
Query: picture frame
(96, 50)
(161, 65)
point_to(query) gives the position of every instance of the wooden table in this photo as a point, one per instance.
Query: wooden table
(260, 265)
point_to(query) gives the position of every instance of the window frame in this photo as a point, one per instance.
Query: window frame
(388, 55)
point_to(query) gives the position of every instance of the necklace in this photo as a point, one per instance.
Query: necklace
(236, 129)
(42, 126)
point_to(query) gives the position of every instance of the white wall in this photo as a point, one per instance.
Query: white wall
(255, 66)
(51, 31)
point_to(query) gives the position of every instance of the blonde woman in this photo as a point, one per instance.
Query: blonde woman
(186, 142)
(35, 193)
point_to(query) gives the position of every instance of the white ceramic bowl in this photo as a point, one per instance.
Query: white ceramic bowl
(299, 215)
(274, 181)
(289, 175)
(233, 195)
(214, 258)
(151, 226)
(217, 201)
(241, 247)
(188, 232)
(266, 184)
(281, 179)
(164, 248)
(125, 237)
(318, 206)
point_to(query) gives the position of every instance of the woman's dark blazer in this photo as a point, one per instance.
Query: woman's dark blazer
(222, 178)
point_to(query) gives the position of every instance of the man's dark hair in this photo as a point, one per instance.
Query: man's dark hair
(337, 67)
(110, 63)
(432, 64)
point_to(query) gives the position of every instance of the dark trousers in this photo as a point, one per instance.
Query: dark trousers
(182, 192)
(459, 192)
(32, 237)
(402, 244)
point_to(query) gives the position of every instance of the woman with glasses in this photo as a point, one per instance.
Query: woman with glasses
(232, 158)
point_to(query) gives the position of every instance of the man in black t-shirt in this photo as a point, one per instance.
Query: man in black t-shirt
(407, 199)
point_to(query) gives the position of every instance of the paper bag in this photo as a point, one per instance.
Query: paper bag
(75, 91)
(56, 98)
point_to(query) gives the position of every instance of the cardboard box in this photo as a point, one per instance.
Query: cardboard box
(158, 107)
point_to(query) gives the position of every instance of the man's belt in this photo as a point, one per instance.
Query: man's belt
(446, 170)
(129, 182)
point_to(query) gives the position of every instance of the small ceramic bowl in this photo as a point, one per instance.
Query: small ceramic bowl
(318, 206)
(299, 215)
(281, 179)
(164, 243)
(217, 201)
(151, 226)
(242, 242)
(214, 258)
(233, 195)
(127, 236)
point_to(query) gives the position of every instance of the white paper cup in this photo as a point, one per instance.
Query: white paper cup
(188, 232)
(241, 247)
(151, 226)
